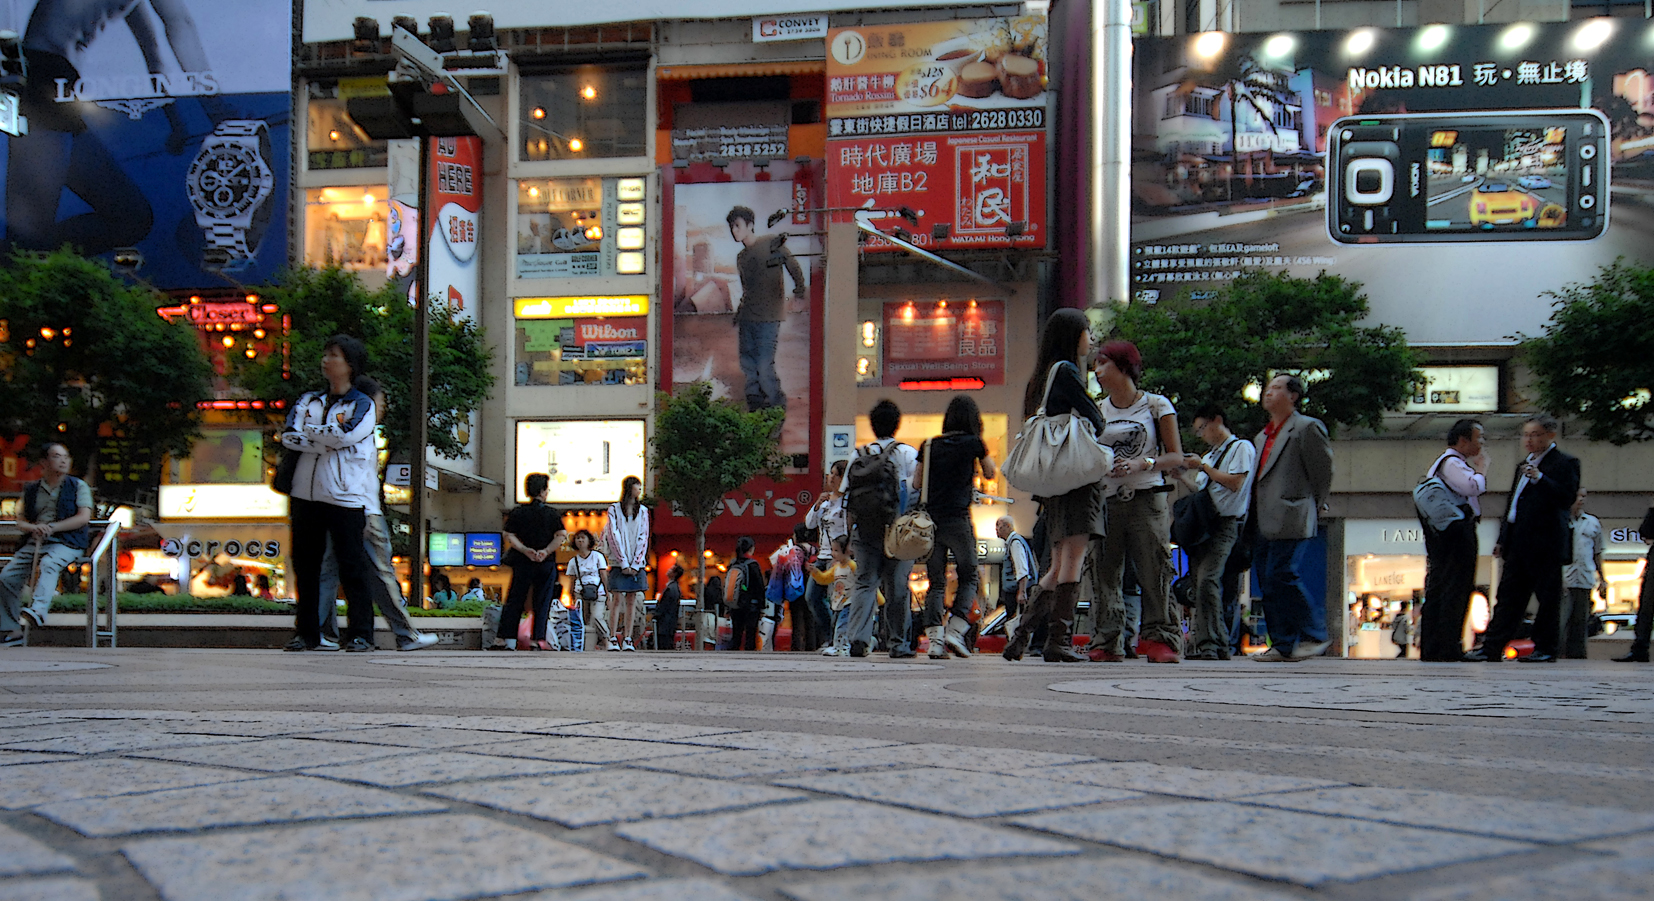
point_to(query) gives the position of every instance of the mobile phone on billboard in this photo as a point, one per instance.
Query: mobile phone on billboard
(1422, 178)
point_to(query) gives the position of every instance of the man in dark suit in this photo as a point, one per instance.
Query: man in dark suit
(1533, 545)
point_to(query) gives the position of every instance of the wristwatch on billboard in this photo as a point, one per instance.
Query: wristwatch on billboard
(230, 185)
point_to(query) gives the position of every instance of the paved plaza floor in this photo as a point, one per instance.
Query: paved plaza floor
(210, 775)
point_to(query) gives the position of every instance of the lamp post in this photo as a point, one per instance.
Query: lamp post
(424, 101)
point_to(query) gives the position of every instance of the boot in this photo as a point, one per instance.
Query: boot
(953, 637)
(1059, 631)
(933, 637)
(1033, 613)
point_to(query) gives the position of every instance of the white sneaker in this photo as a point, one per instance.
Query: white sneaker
(422, 640)
(326, 644)
(829, 651)
(614, 647)
(1269, 655)
(1307, 649)
(628, 646)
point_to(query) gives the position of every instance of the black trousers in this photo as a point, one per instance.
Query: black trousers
(528, 577)
(1449, 579)
(743, 625)
(1525, 576)
(1645, 610)
(666, 627)
(313, 522)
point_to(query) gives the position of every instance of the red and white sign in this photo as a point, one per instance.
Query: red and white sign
(456, 195)
(788, 28)
(978, 185)
(925, 341)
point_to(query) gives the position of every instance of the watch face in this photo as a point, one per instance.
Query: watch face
(228, 180)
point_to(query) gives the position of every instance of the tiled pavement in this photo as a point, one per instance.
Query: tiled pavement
(687, 778)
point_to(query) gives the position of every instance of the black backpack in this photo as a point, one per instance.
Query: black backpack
(750, 596)
(873, 497)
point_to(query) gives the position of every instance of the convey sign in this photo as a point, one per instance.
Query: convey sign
(788, 28)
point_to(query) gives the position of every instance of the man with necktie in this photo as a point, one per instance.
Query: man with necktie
(1533, 545)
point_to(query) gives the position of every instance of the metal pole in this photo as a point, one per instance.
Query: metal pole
(1110, 152)
(417, 435)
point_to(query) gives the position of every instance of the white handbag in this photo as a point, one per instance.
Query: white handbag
(912, 535)
(1056, 454)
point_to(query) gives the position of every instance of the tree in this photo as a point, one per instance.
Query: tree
(86, 361)
(1217, 351)
(704, 448)
(1596, 358)
(325, 302)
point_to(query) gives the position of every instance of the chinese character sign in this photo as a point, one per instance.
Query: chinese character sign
(926, 340)
(975, 184)
(456, 195)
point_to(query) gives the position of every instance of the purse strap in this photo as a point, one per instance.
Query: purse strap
(1222, 456)
(924, 483)
(1050, 378)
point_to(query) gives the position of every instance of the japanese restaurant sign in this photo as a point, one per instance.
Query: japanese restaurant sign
(975, 184)
(930, 340)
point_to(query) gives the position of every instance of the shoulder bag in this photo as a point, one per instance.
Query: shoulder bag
(1195, 516)
(912, 535)
(1056, 454)
(586, 590)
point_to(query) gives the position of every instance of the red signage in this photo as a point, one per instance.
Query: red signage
(456, 196)
(982, 187)
(943, 341)
(215, 312)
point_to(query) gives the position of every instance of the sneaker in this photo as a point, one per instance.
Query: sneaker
(360, 645)
(613, 646)
(829, 651)
(858, 649)
(1270, 655)
(326, 644)
(628, 646)
(421, 640)
(1308, 649)
(13, 641)
(296, 644)
(29, 616)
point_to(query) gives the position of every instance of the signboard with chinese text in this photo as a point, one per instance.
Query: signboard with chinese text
(456, 195)
(929, 340)
(1220, 188)
(975, 184)
(580, 227)
(936, 77)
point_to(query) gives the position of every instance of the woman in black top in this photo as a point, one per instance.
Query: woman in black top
(1070, 519)
(947, 481)
(533, 533)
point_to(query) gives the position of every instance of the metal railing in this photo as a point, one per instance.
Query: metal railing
(107, 550)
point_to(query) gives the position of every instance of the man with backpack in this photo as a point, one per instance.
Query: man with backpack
(1450, 549)
(875, 488)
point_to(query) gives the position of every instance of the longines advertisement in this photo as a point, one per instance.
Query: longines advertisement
(1476, 166)
(158, 130)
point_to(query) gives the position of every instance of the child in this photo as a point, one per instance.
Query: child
(841, 578)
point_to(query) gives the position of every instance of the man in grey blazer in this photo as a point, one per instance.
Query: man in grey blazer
(1294, 478)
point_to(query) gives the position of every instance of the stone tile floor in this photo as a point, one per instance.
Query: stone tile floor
(210, 775)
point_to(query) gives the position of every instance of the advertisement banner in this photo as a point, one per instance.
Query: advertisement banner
(937, 77)
(742, 292)
(928, 341)
(1229, 164)
(974, 184)
(586, 459)
(456, 195)
(157, 129)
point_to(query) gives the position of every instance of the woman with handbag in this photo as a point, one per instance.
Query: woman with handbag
(587, 570)
(1057, 387)
(1142, 429)
(948, 465)
(533, 534)
(627, 539)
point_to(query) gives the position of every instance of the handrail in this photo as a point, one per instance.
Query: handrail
(108, 547)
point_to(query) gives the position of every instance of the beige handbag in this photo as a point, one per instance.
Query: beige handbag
(1056, 454)
(912, 535)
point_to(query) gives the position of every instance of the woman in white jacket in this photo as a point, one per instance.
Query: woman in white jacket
(627, 539)
(335, 482)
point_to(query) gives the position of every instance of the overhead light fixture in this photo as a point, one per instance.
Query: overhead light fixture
(442, 34)
(1593, 34)
(1280, 45)
(1433, 37)
(576, 145)
(1360, 42)
(482, 37)
(1517, 36)
(589, 92)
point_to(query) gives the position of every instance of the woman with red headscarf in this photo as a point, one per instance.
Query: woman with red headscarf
(1142, 429)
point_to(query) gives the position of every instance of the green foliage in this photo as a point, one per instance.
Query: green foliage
(176, 603)
(1199, 352)
(111, 362)
(1596, 358)
(704, 448)
(326, 302)
(460, 609)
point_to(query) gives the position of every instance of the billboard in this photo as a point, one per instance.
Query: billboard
(586, 459)
(155, 127)
(456, 195)
(1229, 163)
(925, 340)
(946, 119)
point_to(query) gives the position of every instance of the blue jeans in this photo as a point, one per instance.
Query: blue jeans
(757, 347)
(1293, 615)
(54, 556)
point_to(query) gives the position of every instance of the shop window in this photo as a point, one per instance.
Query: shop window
(575, 341)
(345, 227)
(582, 227)
(587, 112)
(336, 142)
